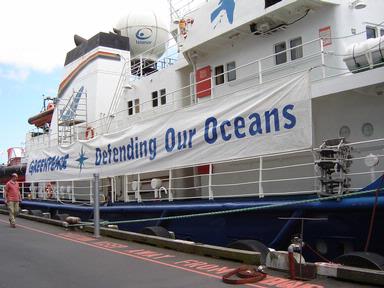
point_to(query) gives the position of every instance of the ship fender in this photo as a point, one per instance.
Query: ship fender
(156, 231)
(367, 260)
(251, 245)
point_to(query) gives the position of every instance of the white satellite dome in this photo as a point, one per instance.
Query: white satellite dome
(146, 29)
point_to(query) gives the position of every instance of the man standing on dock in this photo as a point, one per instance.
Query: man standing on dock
(12, 198)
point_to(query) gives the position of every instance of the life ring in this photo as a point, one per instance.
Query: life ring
(49, 190)
(89, 133)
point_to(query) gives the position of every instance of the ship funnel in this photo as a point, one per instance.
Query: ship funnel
(117, 31)
(79, 40)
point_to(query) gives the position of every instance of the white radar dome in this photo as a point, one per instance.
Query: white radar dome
(147, 31)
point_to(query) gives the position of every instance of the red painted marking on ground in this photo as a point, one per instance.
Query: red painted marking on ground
(148, 253)
(108, 244)
(77, 236)
(190, 265)
(278, 282)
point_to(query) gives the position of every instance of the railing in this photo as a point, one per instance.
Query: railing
(283, 174)
(315, 60)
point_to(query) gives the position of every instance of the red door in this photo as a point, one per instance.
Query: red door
(203, 82)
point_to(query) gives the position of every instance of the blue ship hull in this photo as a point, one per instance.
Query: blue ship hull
(346, 227)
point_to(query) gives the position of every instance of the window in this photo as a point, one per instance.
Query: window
(155, 100)
(130, 107)
(281, 57)
(163, 97)
(296, 53)
(159, 98)
(371, 32)
(133, 106)
(137, 105)
(219, 75)
(270, 2)
(381, 32)
(231, 72)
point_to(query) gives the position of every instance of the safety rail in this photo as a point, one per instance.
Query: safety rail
(321, 64)
(245, 80)
(282, 174)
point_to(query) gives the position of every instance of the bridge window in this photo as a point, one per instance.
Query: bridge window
(130, 107)
(296, 53)
(133, 106)
(159, 98)
(231, 72)
(371, 32)
(163, 97)
(155, 99)
(137, 105)
(219, 74)
(281, 53)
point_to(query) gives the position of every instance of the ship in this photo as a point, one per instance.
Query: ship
(15, 164)
(241, 123)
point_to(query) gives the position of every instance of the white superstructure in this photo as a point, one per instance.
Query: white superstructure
(224, 50)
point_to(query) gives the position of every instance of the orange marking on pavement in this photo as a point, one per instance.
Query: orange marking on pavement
(77, 237)
(270, 281)
(148, 253)
(108, 244)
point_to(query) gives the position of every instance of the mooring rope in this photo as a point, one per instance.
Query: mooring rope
(239, 210)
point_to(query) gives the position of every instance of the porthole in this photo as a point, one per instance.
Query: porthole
(367, 129)
(344, 132)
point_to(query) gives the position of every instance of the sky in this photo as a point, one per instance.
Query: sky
(35, 37)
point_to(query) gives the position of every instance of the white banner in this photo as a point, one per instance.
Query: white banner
(270, 118)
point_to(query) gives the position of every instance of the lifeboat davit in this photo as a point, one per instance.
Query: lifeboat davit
(42, 118)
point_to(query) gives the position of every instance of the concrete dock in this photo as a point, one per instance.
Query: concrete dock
(36, 254)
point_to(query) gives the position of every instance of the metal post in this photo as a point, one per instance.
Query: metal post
(210, 182)
(91, 194)
(260, 73)
(22, 190)
(43, 191)
(138, 196)
(73, 191)
(261, 190)
(96, 211)
(57, 190)
(125, 190)
(322, 57)
(113, 186)
(170, 196)
(32, 190)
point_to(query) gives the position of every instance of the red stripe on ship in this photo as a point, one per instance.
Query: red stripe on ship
(65, 83)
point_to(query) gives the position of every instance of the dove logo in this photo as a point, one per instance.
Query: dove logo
(227, 6)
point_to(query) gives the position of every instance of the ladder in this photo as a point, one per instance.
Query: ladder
(117, 95)
(72, 117)
(334, 163)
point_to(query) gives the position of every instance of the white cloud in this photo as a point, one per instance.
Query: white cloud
(37, 34)
(17, 74)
